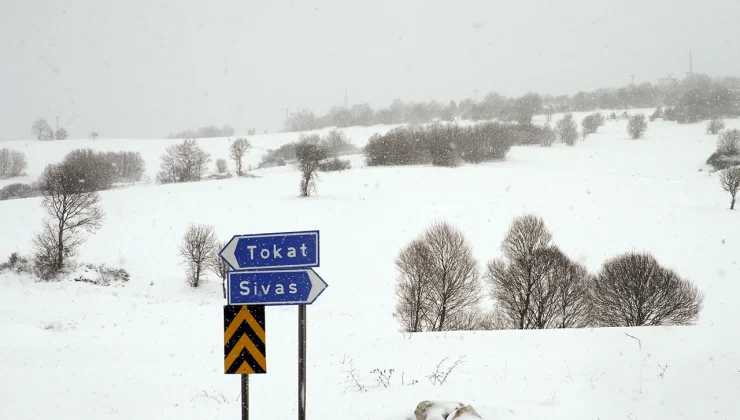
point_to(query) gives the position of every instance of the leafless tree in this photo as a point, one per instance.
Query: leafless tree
(728, 143)
(93, 135)
(61, 134)
(632, 289)
(454, 271)
(567, 130)
(42, 130)
(573, 304)
(512, 280)
(237, 150)
(72, 207)
(183, 162)
(12, 163)
(309, 156)
(730, 179)
(218, 266)
(414, 287)
(196, 250)
(438, 280)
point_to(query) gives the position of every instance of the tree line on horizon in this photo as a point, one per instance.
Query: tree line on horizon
(693, 99)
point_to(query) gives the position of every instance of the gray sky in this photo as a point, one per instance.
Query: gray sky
(143, 68)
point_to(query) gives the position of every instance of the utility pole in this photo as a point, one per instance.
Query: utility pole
(346, 104)
(632, 79)
(476, 95)
(691, 64)
(287, 113)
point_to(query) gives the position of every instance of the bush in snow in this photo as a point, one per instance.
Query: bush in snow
(12, 163)
(196, 250)
(438, 279)
(637, 126)
(101, 275)
(728, 143)
(279, 156)
(567, 130)
(549, 136)
(715, 126)
(18, 190)
(730, 180)
(93, 168)
(335, 164)
(221, 165)
(658, 113)
(309, 156)
(591, 123)
(72, 207)
(337, 143)
(535, 286)
(100, 170)
(17, 263)
(399, 146)
(442, 145)
(633, 290)
(127, 166)
(185, 162)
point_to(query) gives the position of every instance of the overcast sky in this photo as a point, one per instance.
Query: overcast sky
(145, 68)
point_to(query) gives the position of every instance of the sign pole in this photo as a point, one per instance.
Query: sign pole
(245, 397)
(301, 362)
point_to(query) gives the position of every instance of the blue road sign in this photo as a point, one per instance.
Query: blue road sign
(274, 287)
(272, 250)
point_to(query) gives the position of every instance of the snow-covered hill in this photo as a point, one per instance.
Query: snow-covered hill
(153, 349)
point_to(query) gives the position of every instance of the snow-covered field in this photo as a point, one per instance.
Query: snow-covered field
(153, 349)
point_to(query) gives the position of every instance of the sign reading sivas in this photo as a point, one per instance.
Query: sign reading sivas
(276, 287)
(272, 250)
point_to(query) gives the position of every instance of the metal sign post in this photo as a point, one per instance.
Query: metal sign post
(302, 362)
(267, 269)
(245, 397)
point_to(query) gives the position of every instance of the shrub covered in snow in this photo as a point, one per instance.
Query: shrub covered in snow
(637, 126)
(18, 190)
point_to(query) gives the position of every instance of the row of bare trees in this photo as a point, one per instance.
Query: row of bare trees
(533, 285)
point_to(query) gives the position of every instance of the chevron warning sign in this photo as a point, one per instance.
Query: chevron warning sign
(244, 339)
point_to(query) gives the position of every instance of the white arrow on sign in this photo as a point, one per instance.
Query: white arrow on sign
(228, 252)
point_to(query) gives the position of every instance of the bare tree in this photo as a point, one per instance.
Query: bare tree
(73, 207)
(12, 163)
(237, 150)
(309, 156)
(413, 287)
(93, 135)
(218, 266)
(454, 274)
(183, 162)
(42, 130)
(730, 179)
(61, 134)
(632, 289)
(438, 287)
(196, 250)
(572, 302)
(567, 130)
(728, 143)
(512, 280)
